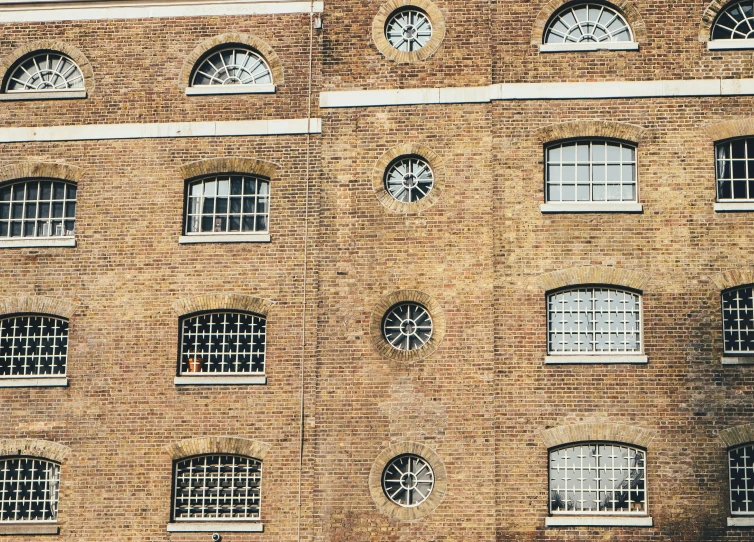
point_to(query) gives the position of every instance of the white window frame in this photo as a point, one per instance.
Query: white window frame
(37, 380)
(722, 163)
(43, 94)
(194, 89)
(729, 43)
(607, 45)
(52, 468)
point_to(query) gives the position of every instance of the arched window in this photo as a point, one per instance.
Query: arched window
(587, 23)
(29, 489)
(741, 471)
(33, 345)
(593, 478)
(37, 208)
(45, 71)
(231, 69)
(735, 22)
(738, 320)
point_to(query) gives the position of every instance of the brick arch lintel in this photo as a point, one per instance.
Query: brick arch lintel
(576, 276)
(32, 447)
(229, 165)
(211, 445)
(709, 15)
(625, 7)
(50, 45)
(592, 128)
(733, 277)
(230, 38)
(730, 129)
(601, 431)
(210, 302)
(50, 170)
(37, 304)
(735, 436)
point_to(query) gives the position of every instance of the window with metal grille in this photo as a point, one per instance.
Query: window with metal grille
(595, 320)
(587, 23)
(228, 203)
(37, 208)
(28, 489)
(597, 478)
(741, 464)
(738, 320)
(223, 342)
(735, 22)
(45, 71)
(217, 487)
(33, 345)
(735, 170)
(236, 65)
(591, 170)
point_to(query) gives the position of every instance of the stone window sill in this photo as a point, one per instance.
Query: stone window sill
(207, 90)
(574, 47)
(22, 242)
(33, 382)
(598, 521)
(43, 95)
(737, 360)
(224, 238)
(596, 358)
(592, 207)
(741, 521)
(734, 206)
(230, 380)
(215, 527)
(29, 528)
(721, 45)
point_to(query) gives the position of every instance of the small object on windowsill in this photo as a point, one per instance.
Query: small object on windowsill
(195, 365)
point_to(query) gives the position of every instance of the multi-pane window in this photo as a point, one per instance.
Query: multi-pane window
(45, 71)
(408, 480)
(28, 489)
(408, 29)
(230, 203)
(738, 320)
(37, 208)
(741, 464)
(33, 345)
(407, 326)
(594, 320)
(587, 22)
(223, 342)
(409, 179)
(736, 22)
(217, 487)
(598, 478)
(735, 170)
(591, 171)
(236, 65)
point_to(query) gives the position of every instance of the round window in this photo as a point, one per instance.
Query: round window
(407, 326)
(408, 480)
(409, 179)
(408, 29)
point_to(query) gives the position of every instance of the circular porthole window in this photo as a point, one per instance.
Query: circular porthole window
(407, 326)
(409, 179)
(408, 29)
(408, 33)
(408, 480)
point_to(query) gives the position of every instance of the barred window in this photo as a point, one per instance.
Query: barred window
(735, 170)
(591, 170)
(236, 65)
(594, 319)
(408, 480)
(228, 204)
(736, 22)
(217, 487)
(597, 478)
(37, 208)
(587, 22)
(46, 71)
(33, 345)
(407, 326)
(738, 320)
(408, 29)
(223, 342)
(741, 463)
(28, 489)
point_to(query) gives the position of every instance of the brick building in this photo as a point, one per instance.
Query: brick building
(407, 270)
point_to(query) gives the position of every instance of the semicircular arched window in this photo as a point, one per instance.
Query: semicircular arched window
(735, 22)
(587, 26)
(33, 346)
(45, 71)
(42, 209)
(235, 69)
(29, 490)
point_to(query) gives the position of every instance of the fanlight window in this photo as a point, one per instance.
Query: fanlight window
(28, 489)
(46, 71)
(735, 170)
(408, 29)
(594, 320)
(741, 464)
(37, 208)
(598, 478)
(736, 22)
(223, 342)
(228, 203)
(738, 320)
(217, 487)
(591, 171)
(33, 345)
(232, 66)
(587, 23)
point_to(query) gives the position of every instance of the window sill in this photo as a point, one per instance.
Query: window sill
(574, 47)
(731, 206)
(33, 382)
(741, 522)
(596, 521)
(596, 358)
(215, 527)
(592, 207)
(737, 360)
(43, 95)
(207, 90)
(207, 380)
(29, 528)
(224, 238)
(721, 45)
(22, 242)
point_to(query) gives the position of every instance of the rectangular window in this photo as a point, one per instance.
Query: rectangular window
(738, 320)
(735, 170)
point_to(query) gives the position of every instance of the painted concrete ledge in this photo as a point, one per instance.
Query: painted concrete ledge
(582, 90)
(742, 360)
(722, 45)
(734, 207)
(595, 358)
(592, 207)
(223, 238)
(24, 242)
(208, 90)
(741, 522)
(50, 381)
(596, 521)
(43, 95)
(162, 130)
(208, 380)
(29, 528)
(589, 46)
(215, 527)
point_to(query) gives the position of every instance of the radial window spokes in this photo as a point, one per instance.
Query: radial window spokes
(228, 204)
(735, 170)
(33, 345)
(408, 29)
(409, 179)
(581, 23)
(232, 66)
(741, 465)
(736, 22)
(28, 489)
(37, 208)
(407, 326)
(408, 480)
(45, 72)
